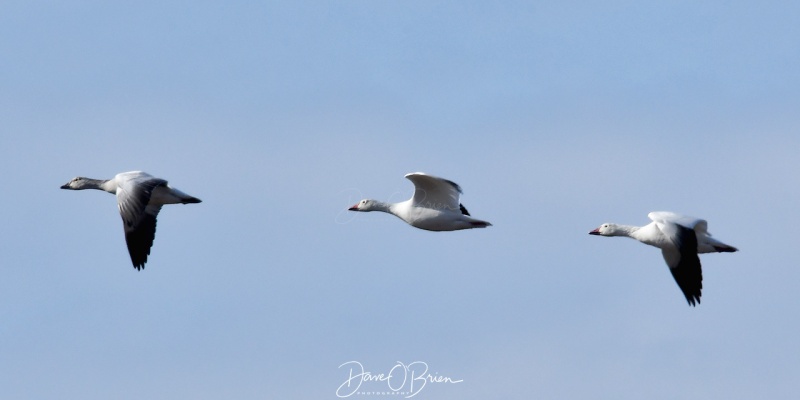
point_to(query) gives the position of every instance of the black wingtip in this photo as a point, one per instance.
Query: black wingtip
(455, 185)
(140, 240)
(725, 249)
(463, 209)
(688, 273)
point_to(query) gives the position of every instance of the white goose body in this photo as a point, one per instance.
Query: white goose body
(434, 206)
(680, 239)
(139, 198)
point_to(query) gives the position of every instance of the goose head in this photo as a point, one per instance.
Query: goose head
(607, 230)
(79, 183)
(365, 205)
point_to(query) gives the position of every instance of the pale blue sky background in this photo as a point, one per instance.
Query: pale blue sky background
(554, 117)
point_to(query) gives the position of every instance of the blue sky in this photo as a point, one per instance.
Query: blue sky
(553, 118)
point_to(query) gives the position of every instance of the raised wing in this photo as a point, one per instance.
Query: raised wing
(434, 192)
(699, 225)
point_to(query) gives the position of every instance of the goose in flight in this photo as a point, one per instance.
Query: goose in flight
(434, 207)
(680, 239)
(139, 197)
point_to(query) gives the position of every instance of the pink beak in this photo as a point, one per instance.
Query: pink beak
(353, 208)
(595, 232)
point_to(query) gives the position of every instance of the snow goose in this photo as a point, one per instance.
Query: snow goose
(680, 239)
(434, 206)
(139, 197)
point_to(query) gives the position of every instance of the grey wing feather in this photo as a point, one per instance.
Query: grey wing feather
(133, 197)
